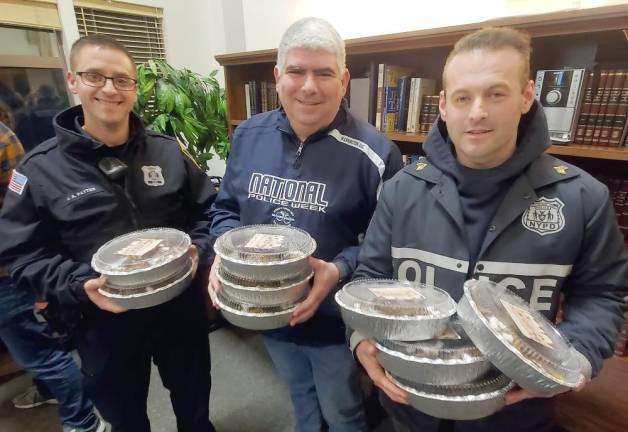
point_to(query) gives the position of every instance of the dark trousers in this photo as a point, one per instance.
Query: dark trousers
(116, 353)
(532, 415)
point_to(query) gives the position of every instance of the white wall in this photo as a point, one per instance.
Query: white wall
(265, 21)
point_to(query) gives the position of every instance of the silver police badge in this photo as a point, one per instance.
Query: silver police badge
(153, 176)
(544, 216)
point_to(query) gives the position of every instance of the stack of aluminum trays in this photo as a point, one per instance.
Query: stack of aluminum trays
(476, 399)
(422, 349)
(449, 359)
(387, 309)
(519, 341)
(144, 268)
(264, 273)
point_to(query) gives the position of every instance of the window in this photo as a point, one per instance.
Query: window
(139, 28)
(32, 85)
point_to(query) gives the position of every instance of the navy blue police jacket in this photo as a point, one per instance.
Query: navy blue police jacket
(67, 207)
(328, 186)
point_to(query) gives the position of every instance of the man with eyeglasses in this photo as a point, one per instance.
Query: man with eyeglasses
(101, 176)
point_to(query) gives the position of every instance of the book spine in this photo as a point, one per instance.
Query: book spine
(619, 122)
(373, 75)
(585, 109)
(610, 83)
(412, 107)
(595, 108)
(403, 89)
(380, 95)
(612, 107)
(247, 99)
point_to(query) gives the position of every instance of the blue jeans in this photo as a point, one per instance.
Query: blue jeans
(323, 384)
(33, 349)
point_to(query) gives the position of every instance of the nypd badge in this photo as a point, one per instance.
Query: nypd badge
(420, 166)
(153, 175)
(544, 216)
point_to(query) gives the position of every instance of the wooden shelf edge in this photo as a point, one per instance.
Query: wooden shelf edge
(577, 150)
(593, 152)
(406, 137)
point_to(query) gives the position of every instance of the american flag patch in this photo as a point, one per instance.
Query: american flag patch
(17, 182)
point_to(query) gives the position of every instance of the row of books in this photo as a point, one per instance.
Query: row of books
(403, 103)
(604, 109)
(260, 96)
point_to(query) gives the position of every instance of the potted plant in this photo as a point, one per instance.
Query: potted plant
(185, 105)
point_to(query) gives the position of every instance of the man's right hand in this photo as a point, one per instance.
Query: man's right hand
(214, 287)
(367, 355)
(91, 287)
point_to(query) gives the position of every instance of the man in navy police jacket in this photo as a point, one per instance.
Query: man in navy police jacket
(488, 203)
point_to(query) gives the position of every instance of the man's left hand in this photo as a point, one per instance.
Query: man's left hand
(517, 394)
(326, 276)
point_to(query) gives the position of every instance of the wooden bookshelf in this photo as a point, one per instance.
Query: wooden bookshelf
(577, 38)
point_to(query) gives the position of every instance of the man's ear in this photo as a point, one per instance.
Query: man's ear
(528, 97)
(441, 105)
(71, 79)
(345, 81)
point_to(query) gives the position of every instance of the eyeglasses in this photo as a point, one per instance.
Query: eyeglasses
(95, 79)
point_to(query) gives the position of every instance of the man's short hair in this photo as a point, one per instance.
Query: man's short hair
(311, 33)
(493, 39)
(97, 40)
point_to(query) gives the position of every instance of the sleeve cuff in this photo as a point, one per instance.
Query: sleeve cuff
(343, 271)
(355, 338)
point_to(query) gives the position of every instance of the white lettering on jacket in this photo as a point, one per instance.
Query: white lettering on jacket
(309, 195)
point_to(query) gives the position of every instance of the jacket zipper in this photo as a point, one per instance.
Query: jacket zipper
(297, 159)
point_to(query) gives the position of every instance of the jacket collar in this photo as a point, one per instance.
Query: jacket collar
(543, 171)
(73, 140)
(283, 124)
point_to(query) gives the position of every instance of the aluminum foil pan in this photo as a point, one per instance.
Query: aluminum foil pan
(262, 294)
(254, 317)
(450, 359)
(386, 309)
(265, 252)
(150, 295)
(143, 257)
(519, 341)
(470, 401)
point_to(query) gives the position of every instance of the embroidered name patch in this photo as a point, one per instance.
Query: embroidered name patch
(18, 182)
(544, 216)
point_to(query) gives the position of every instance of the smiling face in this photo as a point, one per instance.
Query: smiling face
(103, 107)
(310, 89)
(483, 105)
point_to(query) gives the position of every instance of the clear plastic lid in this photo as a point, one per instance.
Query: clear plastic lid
(139, 251)
(265, 244)
(393, 298)
(452, 345)
(526, 332)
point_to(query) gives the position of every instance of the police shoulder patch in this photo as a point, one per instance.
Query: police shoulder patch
(544, 216)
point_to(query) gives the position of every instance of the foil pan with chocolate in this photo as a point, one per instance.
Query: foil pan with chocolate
(518, 340)
(387, 309)
(470, 401)
(449, 359)
(265, 252)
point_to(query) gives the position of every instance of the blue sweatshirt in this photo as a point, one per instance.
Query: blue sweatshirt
(328, 185)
